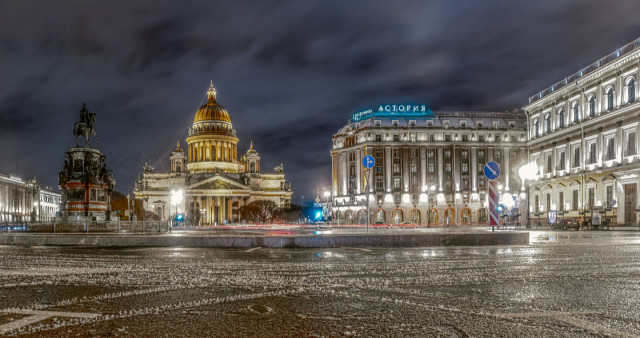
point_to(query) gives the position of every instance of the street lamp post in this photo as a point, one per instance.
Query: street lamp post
(529, 172)
(176, 198)
(327, 195)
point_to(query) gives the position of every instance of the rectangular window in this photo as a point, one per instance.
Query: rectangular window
(465, 168)
(574, 202)
(431, 167)
(396, 153)
(378, 169)
(609, 196)
(496, 124)
(464, 153)
(465, 138)
(396, 168)
(396, 138)
(396, 184)
(548, 160)
(497, 138)
(548, 202)
(448, 167)
(412, 137)
(463, 123)
(432, 138)
(447, 138)
(591, 197)
(498, 155)
(377, 152)
(429, 123)
(379, 185)
(611, 151)
(431, 153)
(481, 138)
(414, 167)
(561, 160)
(536, 203)
(447, 154)
(576, 157)
(592, 153)
(378, 138)
(560, 201)
(631, 144)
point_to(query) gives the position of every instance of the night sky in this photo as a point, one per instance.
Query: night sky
(290, 73)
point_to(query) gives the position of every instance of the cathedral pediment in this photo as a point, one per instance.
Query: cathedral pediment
(218, 183)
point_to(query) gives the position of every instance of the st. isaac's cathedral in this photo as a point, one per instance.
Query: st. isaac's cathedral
(209, 184)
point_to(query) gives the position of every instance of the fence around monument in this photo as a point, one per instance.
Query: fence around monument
(87, 227)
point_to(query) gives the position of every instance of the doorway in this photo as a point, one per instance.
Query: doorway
(630, 204)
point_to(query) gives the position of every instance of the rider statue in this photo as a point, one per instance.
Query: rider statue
(86, 126)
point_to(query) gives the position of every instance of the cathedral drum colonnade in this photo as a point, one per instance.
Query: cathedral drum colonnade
(214, 181)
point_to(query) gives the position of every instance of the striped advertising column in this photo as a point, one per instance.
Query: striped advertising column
(493, 204)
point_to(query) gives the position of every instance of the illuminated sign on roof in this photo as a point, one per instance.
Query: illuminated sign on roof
(394, 110)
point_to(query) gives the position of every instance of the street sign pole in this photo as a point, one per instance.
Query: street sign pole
(368, 173)
(492, 171)
(368, 162)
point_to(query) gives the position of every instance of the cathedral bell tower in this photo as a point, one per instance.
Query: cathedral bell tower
(252, 161)
(178, 160)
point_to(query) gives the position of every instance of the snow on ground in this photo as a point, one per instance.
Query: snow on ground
(568, 286)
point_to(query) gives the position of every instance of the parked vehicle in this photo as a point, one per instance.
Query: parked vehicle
(566, 223)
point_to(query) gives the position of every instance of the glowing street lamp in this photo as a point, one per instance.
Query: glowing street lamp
(176, 198)
(529, 172)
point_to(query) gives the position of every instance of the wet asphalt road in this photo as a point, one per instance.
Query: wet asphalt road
(565, 284)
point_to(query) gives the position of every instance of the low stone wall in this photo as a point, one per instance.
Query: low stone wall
(330, 241)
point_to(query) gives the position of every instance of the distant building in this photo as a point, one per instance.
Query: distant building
(26, 201)
(49, 207)
(583, 136)
(209, 184)
(426, 163)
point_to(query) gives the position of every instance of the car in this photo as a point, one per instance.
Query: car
(566, 223)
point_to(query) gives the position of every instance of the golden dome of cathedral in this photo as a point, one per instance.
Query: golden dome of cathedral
(212, 110)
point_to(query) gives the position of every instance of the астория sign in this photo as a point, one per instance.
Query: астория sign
(394, 110)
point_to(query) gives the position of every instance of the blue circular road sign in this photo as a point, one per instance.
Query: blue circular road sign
(368, 161)
(492, 170)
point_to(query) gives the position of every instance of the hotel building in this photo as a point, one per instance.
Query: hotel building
(426, 163)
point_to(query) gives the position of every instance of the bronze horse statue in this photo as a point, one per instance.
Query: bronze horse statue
(86, 126)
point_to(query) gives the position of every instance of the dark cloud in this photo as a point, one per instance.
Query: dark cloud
(290, 73)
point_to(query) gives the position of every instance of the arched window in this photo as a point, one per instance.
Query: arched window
(631, 90)
(576, 112)
(397, 216)
(561, 118)
(608, 98)
(592, 106)
(415, 216)
(362, 217)
(536, 128)
(482, 216)
(547, 120)
(252, 167)
(381, 216)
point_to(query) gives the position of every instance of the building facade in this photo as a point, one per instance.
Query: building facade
(428, 166)
(209, 184)
(583, 136)
(26, 201)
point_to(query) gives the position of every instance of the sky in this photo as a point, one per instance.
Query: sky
(290, 73)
